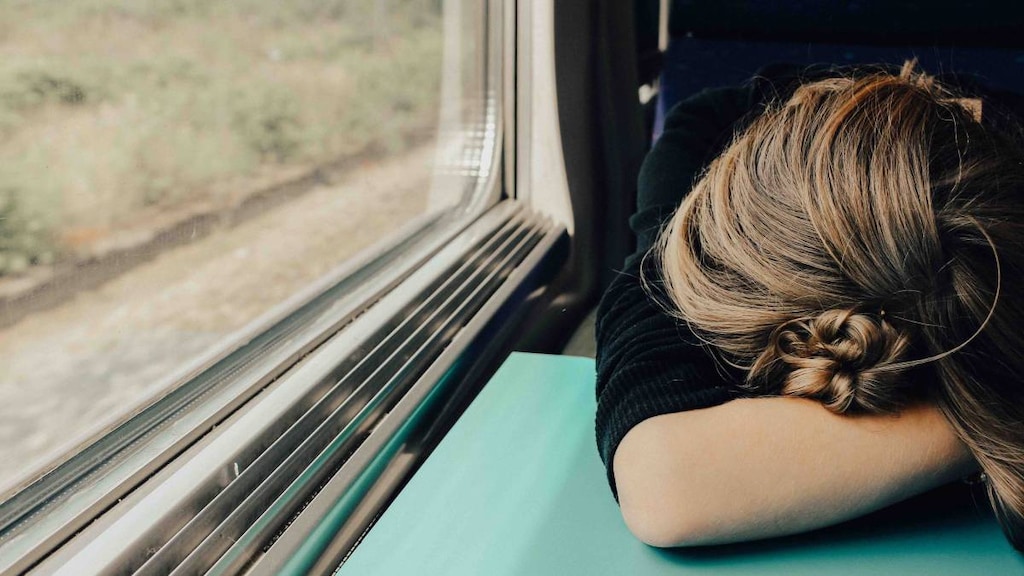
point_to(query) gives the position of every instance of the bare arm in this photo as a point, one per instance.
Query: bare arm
(762, 467)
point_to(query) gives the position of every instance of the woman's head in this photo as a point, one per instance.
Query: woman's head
(863, 244)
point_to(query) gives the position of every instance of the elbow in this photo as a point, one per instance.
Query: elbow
(667, 529)
(662, 504)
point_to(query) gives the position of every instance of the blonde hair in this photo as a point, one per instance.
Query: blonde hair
(862, 244)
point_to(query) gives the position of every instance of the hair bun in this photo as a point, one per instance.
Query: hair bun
(846, 359)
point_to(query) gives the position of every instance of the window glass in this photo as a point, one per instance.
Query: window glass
(171, 169)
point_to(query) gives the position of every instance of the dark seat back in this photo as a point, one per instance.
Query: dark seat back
(722, 42)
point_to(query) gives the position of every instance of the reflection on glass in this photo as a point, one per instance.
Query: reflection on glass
(171, 169)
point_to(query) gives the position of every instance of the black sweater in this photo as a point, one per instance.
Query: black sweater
(647, 363)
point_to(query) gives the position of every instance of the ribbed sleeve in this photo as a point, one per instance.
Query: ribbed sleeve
(647, 363)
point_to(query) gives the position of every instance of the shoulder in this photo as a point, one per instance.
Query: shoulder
(696, 131)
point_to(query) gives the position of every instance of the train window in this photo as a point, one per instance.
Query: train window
(218, 222)
(169, 171)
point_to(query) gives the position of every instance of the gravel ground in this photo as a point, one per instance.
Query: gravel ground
(65, 369)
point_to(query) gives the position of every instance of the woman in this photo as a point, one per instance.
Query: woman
(847, 279)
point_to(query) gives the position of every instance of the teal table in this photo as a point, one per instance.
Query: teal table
(517, 488)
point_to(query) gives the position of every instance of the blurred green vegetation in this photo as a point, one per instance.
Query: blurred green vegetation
(109, 108)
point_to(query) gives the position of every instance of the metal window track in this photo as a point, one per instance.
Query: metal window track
(320, 435)
(45, 513)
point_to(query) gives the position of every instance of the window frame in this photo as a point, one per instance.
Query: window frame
(41, 512)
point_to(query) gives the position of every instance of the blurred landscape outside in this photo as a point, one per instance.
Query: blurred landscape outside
(119, 120)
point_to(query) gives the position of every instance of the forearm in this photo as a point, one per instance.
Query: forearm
(757, 468)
